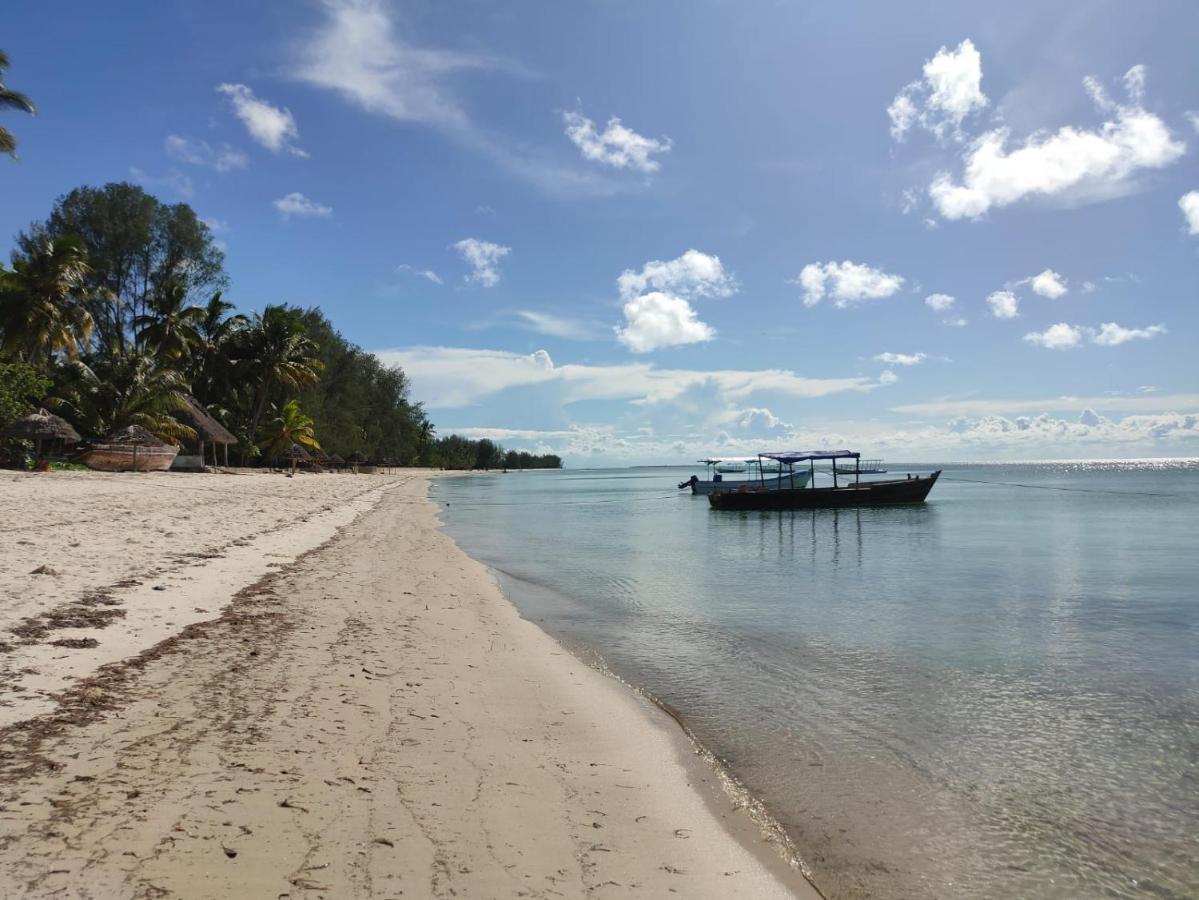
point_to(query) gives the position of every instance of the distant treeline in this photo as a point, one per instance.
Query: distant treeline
(113, 309)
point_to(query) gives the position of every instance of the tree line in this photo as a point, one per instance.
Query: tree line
(113, 308)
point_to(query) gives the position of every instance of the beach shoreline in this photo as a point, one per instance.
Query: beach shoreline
(371, 714)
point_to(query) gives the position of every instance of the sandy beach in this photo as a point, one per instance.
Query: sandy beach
(268, 687)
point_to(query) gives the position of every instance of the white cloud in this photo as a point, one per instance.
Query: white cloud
(950, 90)
(173, 181)
(656, 320)
(296, 204)
(556, 326)
(1057, 337)
(1074, 162)
(617, 145)
(901, 359)
(940, 302)
(1112, 335)
(1048, 284)
(447, 377)
(847, 282)
(887, 377)
(200, 153)
(273, 127)
(694, 274)
(1189, 204)
(760, 422)
(427, 274)
(1004, 305)
(484, 258)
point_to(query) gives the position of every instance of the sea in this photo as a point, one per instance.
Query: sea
(994, 694)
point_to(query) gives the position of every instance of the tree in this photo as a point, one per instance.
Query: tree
(275, 353)
(132, 389)
(171, 328)
(41, 307)
(138, 247)
(11, 100)
(288, 426)
(212, 365)
(22, 387)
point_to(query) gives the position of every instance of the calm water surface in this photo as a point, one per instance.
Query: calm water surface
(995, 694)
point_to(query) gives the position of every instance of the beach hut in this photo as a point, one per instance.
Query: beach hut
(130, 449)
(38, 426)
(320, 456)
(337, 462)
(208, 432)
(358, 460)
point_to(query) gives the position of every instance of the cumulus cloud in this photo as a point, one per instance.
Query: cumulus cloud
(1063, 336)
(901, 359)
(274, 127)
(656, 320)
(1004, 305)
(617, 145)
(846, 282)
(949, 91)
(1071, 162)
(940, 302)
(1056, 337)
(1112, 335)
(484, 258)
(760, 422)
(223, 158)
(887, 377)
(1048, 284)
(296, 204)
(1189, 204)
(694, 274)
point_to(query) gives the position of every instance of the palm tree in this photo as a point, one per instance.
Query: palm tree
(11, 100)
(172, 326)
(132, 389)
(288, 426)
(274, 352)
(211, 365)
(41, 312)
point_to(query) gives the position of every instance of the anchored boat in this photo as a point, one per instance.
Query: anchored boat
(754, 476)
(912, 489)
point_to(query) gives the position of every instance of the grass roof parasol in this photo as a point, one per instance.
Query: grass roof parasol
(41, 424)
(133, 436)
(356, 457)
(336, 460)
(295, 451)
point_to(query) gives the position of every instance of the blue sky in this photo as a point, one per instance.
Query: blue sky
(642, 232)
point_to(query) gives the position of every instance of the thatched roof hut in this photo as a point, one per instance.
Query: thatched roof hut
(295, 451)
(208, 429)
(337, 460)
(356, 457)
(133, 436)
(41, 424)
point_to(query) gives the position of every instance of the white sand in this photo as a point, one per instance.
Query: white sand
(372, 720)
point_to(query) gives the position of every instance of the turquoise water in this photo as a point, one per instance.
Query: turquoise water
(995, 694)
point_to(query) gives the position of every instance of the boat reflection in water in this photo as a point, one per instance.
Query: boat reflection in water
(858, 493)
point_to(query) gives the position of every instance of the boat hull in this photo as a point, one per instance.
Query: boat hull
(122, 459)
(868, 493)
(773, 483)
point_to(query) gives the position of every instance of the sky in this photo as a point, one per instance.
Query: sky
(644, 232)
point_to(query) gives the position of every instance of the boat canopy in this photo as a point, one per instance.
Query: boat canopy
(717, 460)
(790, 457)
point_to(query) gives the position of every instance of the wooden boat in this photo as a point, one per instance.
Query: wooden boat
(755, 476)
(912, 489)
(126, 458)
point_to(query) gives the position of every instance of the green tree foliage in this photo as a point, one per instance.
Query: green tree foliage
(10, 99)
(138, 247)
(287, 426)
(41, 312)
(22, 388)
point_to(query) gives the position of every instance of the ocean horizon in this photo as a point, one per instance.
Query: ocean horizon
(994, 694)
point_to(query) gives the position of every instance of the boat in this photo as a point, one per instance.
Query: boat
(912, 489)
(755, 476)
(862, 467)
(131, 449)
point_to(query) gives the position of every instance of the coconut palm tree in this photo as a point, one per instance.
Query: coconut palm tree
(211, 364)
(171, 328)
(288, 426)
(41, 310)
(131, 389)
(11, 100)
(274, 352)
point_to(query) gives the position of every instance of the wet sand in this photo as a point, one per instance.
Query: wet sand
(366, 717)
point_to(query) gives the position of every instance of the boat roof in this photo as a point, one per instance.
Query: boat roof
(794, 456)
(711, 460)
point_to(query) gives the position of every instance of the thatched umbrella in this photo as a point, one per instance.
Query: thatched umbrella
(38, 426)
(356, 459)
(337, 461)
(296, 453)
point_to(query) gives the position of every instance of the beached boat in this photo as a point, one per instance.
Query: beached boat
(912, 489)
(131, 449)
(753, 471)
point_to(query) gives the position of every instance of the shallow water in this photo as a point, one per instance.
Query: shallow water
(995, 694)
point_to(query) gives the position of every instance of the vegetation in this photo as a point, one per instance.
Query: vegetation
(11, 100)
(113, 309)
